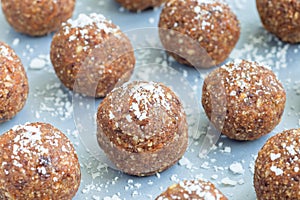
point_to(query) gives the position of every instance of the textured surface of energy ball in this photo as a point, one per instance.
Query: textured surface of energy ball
(142, 128)
(13, 83)
(281, 17)
(37, 161)
(198, 33)
(277, 167)
(91, 55)
(139, 5)
(243, 100)
(197, 189)
(37, 18)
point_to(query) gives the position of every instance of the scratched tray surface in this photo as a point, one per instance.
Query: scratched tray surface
(229, 165)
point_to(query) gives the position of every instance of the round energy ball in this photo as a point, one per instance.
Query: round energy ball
(37, 161)
(198, 33)
(13, 83)
(142, 128)
(37, 18)
(195, 189)
(91, 55)
(139, 5)
(281, 17)
(243, 100)
(277, 167)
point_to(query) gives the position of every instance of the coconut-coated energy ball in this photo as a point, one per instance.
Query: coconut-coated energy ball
(91, 55)
(277, 167)
(195, 189)
(200, 33)
(37, 161)
(281, 17)
(244, 100)
(139, 5)
(142, 128)
(13, 83)
(37, 17)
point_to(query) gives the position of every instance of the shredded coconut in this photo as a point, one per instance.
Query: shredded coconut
(276, 170)
(93, 19)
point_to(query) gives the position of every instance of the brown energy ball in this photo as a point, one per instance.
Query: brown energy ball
(37, 161)
(281, 17)
(198, 33)
(139, 5)
(91, 55)
(13, 83)
(142, 128)
(243, 100)
(37, 18)
(277, 167)
(198, 189)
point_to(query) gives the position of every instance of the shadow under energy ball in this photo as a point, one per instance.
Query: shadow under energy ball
(13, 83)
(281, 17)
(142, 128)
(198, 33)
(37, 161)
(91, 55)
(243, 100)
(139, 5)
(277, 167)
(37, 18)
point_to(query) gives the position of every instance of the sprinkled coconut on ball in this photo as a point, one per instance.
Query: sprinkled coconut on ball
(13, 83)
(277, 167)
(37, 161)
(200, 33)
(195, 189)
(91, 55)
(140, 5)
(37, 18)
(244, 100)
(281, 17)
(142, 128)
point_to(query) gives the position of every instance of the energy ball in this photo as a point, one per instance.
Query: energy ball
(139, 5)
(142, 128)
(243, 100)
(91, 55)
(195, 189)
(277, 167)
(37, 161)
(281, 17)
(200, 33)
(13, 83)
(37, 18)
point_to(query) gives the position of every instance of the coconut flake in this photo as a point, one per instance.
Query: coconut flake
(237, 168)
(276, 170)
